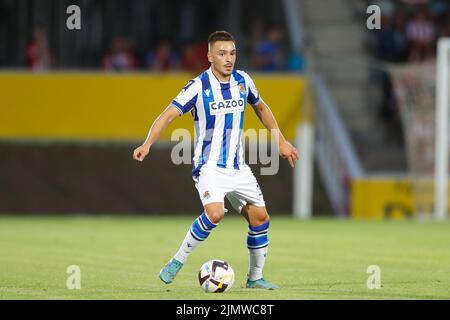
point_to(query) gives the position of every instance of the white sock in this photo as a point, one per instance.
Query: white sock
(257, 244)
(257, 260)
(188, 245)
(197, 233)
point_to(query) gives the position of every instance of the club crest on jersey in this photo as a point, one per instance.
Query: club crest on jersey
(241, 88)
(226, 106)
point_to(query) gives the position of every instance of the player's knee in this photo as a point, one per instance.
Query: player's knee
(260, 219)
(215, 215)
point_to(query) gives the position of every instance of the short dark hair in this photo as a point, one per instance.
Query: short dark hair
(219, 36)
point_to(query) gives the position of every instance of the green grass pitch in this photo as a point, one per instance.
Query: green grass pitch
(120, 258)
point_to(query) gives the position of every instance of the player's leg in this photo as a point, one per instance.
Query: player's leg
(248, 200)
(258, 244)
(197, 233)
(212, 196)
(255, 216)
(200, 230)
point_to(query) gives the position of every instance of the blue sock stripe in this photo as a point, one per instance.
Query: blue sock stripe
(262, 227)
(194, 236)
(207, 222)
(257, 241)
(202, 225)
(259, 247)
(197, 235)
(198, 231)
(262, 234)
(257, 233)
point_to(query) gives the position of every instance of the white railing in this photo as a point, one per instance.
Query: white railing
(294, 24)
(337, 160)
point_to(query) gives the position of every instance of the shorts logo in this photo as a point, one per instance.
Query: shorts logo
(206, 195)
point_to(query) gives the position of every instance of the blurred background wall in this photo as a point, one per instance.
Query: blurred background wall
(75, 103)
(142, 29)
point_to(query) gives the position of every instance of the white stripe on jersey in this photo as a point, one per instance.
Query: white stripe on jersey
(217, 140)
(200, 135)
(235, 134)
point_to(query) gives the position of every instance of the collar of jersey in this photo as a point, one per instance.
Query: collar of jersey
(213, 76)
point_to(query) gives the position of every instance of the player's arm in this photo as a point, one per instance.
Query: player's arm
(287, 150)
(182, 104)
(158, 126)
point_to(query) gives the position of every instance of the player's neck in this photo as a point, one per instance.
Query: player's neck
(219, 77)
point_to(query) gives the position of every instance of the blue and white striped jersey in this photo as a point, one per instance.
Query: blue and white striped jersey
(218, 111)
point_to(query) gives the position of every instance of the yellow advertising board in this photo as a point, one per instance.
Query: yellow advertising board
(388, 197)
(108, 106)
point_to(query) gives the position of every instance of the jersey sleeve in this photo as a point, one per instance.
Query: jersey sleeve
(187, 98)
(252, 92)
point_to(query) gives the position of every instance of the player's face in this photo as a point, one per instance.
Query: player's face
(222, 55)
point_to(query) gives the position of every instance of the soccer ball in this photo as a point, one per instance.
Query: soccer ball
(216, 276)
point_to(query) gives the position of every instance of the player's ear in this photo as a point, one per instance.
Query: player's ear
(209, 57)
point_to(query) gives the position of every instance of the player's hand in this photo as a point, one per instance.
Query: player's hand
(289, 152)
(140, 153)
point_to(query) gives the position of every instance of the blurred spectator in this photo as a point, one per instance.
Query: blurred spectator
(421, 33)
(415, 2)
(399, 37)
(390, 42)
(194, 57)
(121, 57)
(439, 9)
(38, 52)
(269, 53)
(296, 62)
(387, 7)
(163, 58)
(419, 22)
(443, 28)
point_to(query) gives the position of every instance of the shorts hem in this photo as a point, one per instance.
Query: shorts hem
(209, 201)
